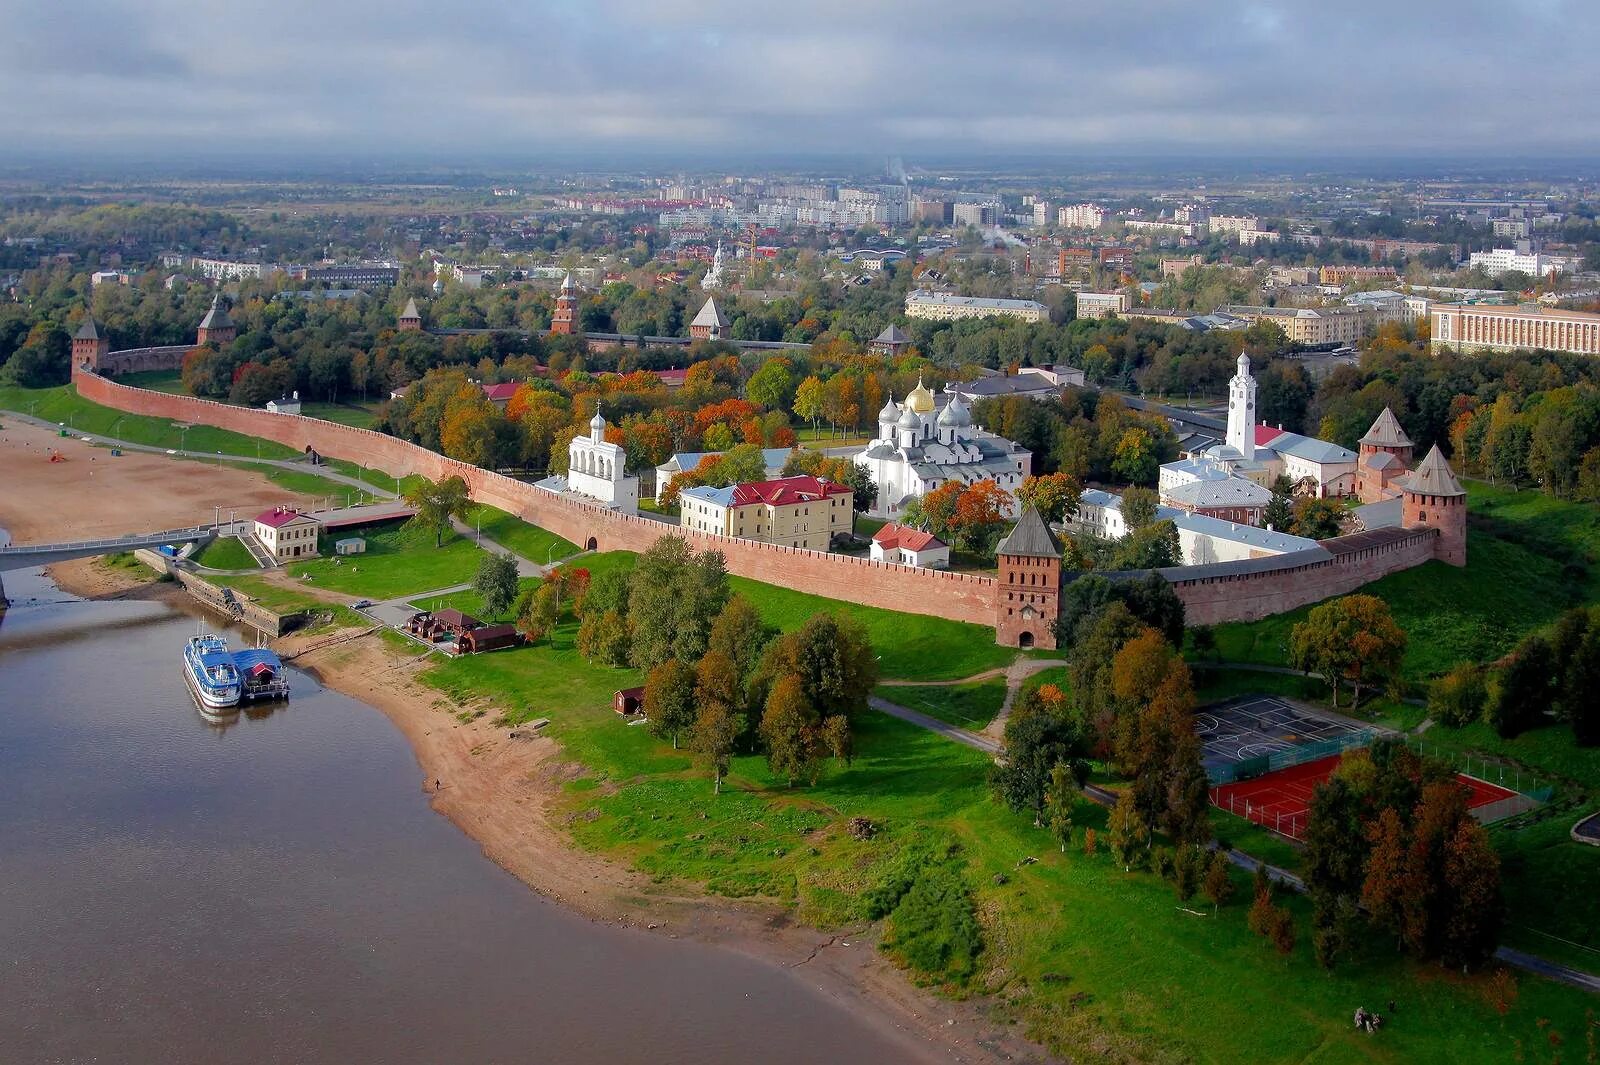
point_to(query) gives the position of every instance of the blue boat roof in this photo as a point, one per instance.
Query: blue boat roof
(248, 659)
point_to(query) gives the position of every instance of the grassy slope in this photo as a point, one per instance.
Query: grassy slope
(514, 534)
(1529, 557)
(398, 560)
(470, 602)
(226, 552)
(64, 404)
(971, 706)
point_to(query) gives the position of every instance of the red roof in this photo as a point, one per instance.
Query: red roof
(672, 377)
(786, 490)
(1266, 434)
(278, 517)
(501, 393)
(905, 538)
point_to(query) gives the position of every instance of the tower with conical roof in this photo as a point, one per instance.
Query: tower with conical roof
(217, 326)
(565, 323)
(710, 323)
(88, 345)
(1029, 592)
(1432, 498)
(410, 320)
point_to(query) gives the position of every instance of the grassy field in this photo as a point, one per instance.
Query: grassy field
(63, 404)
(470, 602)
(515, 535)
(910, 646)
(970, 706)
(226, 552)
(274, 597)
(1096, 962)
(361, 416)
(1537, 554)
(169, 381)
(398, 560)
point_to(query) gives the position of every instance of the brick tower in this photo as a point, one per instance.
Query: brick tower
(88, 346)
(216, 327)
(1029, 597)
(410, 319)
(1432, 497)
(565, 322)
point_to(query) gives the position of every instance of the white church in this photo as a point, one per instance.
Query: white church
(597, 471)
(923, 444)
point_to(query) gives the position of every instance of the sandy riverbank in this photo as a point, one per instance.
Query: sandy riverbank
(505, 793)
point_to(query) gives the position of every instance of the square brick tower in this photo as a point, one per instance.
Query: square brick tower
(565, 323)
(216, 327)
(88, 346)
(410, 320)
(1029, 597)
(1433, 498)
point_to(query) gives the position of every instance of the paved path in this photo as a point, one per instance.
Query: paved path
(932, 724)
(1588, 830)
(1015, 674)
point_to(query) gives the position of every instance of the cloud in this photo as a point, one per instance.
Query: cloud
(718, 77)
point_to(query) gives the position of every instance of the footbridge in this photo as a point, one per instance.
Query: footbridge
(31, 555)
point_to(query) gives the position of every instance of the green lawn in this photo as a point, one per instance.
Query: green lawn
(169, 381)
(271, 596)
(970, 706)
(63, 404)
(398, 560)
(226, 552)
(1529, 557)
(360, 416)
(515, 535)
(910, 646)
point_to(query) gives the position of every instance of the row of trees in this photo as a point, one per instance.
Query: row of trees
(1091, 436)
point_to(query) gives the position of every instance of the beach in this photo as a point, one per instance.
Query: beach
(502, 787)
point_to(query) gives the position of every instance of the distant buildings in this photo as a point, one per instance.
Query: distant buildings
(1311, 326)
(1102, 304)
(1488, 327)
(1352, 275)
(1233, 224)
(773, 460)
(355, 275)
(804, 512)
(1534, 264)
(228, 269)
(1081, 216)
(940, 306)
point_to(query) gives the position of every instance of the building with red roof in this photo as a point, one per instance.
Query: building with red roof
(286, 534)
(801, 511)
(908, 546)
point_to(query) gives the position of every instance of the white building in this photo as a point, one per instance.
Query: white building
(1160, 227)
(1488, 327)
(920, 447)
(1534, 264)
(906, 546)
(1081, 216)
(1233, 223)
(285, 404)
(1101, 304)
(802, 511)
(774, 459)
(286, 534)
(228, 270)
(1202, 539)
(597, 469)
(942, 306)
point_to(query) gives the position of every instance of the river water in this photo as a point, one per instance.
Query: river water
(280, 891)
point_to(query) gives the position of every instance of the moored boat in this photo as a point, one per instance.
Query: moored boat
(261, 674)
(208, 667)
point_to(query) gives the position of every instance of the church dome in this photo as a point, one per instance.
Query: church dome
(920, 399)
(597, 422)
(890, 411)
(1244, 365)
(955, 414)
(908, 417)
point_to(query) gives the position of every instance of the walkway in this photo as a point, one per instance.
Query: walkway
(1588, 830)
(30, 555)
(1016, 674)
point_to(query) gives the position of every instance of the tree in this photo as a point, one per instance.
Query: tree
(1036, 743)
(1218, 884)
(1136, 458)
(1278, 514)
(1317, 519)
(1129, 833)
(1054, 495)
(838, 737)
(674, 595)
(769, 386)
(669, 699)
(1282, 930)
(789, 730)
(1060, 799)
(1581, 682)
(832, 657)
(1457, 698)
(718, 724)
(1477, 909)
(739, 633)
(603, 637)
(1139, 508)
(1152, 547)
(436, 503)
(808, 401)
(496, 582)
(1383, 888)
(1352, 639)
(1523, 689)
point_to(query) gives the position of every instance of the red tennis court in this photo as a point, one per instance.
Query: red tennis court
(1280, 800)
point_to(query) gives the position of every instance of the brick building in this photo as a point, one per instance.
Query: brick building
(1029, 599)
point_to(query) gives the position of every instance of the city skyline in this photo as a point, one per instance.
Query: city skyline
(617, 76)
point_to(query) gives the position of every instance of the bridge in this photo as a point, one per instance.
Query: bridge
(31, 555)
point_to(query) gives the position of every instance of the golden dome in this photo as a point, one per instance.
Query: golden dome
(920, 399)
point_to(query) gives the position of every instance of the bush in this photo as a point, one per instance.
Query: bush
(1457, 699)
(933, 928)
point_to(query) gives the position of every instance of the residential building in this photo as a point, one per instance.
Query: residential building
(773, 460)
(804, 512)
(1093, 305)
(1160, 227)
(923, 444)
(1174, 268)
(1233, 223)
(906, 546)
(976, 214)
(355, 275)
(1490, 327)
(1312, 327)
(286, 534)
(1249, 237)
(1534, 264)
(1081, 216)
(228, 270)
(942, 306)
(1352, 275)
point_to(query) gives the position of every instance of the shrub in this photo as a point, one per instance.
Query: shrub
(1457, 698)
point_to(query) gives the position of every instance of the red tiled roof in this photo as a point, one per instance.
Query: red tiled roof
(501, 392)
(278, 517)
(668, 377)
(786, 490)
(906, 539)
(1266, 434)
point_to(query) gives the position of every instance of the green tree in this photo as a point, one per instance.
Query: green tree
(1317, 519)
(496, 582)
(1035, 745)
(1457, 699)
(739, 633)
(1218, 884)
(769, 386)
(1352, 639)
(674, 595)
(437, 503)
(833, 659)
(718, 724)
(1136, 457)
(1060, 800)
(1523, 689)
(809, 401)
(1129, 833)
(669, 699)
(789, 729)
(1054, 495)
(1139, 508)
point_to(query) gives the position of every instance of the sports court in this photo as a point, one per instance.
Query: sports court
(1259, 726)
(1279, 800)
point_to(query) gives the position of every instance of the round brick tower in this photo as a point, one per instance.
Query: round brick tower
(1432, 497)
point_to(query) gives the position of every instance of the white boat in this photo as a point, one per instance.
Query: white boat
(209, 668)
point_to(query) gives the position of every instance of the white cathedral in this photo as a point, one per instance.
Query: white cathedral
(597, 470)
(927, 442)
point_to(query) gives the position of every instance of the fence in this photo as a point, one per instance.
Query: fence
(1512, 777)
(1292, 824)
(1249, 768)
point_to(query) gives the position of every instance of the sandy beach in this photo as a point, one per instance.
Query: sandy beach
(501, 787)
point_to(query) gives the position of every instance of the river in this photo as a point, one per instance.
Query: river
(280, 891)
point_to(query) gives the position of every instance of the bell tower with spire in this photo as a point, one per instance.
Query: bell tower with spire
(1242, 410)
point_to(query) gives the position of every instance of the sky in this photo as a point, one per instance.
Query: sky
(1261, 78)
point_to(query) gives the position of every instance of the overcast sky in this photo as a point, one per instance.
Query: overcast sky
(1256, 77)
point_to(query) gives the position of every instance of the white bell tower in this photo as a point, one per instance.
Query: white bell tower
(1242, 410)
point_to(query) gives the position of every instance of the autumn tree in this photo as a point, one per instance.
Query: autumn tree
(789, 729)
(437, 504)
(1218, 882)
(1354, 640)
(739, 633)
(1129, 833)
(832, 658)
(718, 723)
(808, 401)
(1054, 495)
(1139, 508)
(669, 693)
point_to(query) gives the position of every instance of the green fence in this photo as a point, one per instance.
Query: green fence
(1249, 768)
